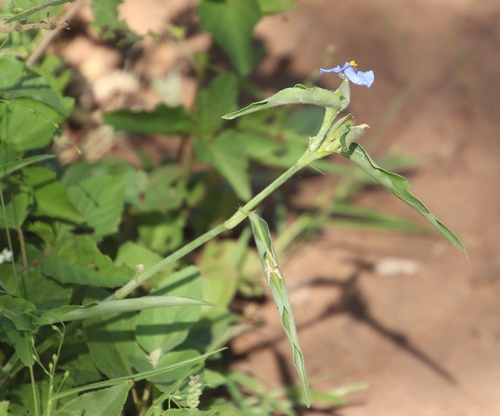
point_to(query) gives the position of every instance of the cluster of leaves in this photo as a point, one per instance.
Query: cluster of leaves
(90, 304)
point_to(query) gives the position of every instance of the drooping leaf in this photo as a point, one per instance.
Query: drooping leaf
(78, 260)
(399, 186)
(50, 196)
(106, 402)
(19, 311)
(277, 286)
(231, 23)
(100, 200)
(228, 156)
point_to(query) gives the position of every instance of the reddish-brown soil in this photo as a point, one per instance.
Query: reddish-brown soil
(427, 342)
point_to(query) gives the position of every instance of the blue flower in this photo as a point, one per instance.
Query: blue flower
(352, 74)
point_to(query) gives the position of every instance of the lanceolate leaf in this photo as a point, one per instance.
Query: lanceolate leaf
(11, 167)
(276, 282)
(337, 100)
(399, 186)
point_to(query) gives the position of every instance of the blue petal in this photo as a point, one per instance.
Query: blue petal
(360, 77)
(336, 69)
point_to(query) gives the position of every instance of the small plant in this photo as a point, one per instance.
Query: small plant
(102, 309)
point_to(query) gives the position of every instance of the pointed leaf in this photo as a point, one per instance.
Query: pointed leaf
(11, 167)
(16, 211)
(399, 186)
(22, 341)
(277, 285)
(299, 94)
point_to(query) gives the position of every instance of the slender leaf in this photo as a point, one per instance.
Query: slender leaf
(338, 100)
(12, 167)
(399, 186)
(277, 285)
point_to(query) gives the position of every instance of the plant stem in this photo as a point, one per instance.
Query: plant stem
(35, 393)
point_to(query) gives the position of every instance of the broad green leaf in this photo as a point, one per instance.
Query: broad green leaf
(27, 123)
(19, 311)
(226, 154)
(162, 233)
(56, 72)
(18, 81)
(160, 330)
(92, 310)
(399, 186)
(111, 342)
(16, 211)
(220, 278)
(50, 196)
(337, 100)
(22, 341)
(162, 120)
(78, 260)
(13, 166)
(213, 102)
(77, 360)
(135, 179)
(277, 286)
(231, 23)
(100, 200)
(162, 192)
(276, 6)
(4, 408)
(44, 292)
(108, 24)
(189, 412)
(106, 402)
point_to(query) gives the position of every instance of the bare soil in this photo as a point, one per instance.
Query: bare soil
(424, 335)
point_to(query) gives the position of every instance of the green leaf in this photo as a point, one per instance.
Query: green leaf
(166, 379)
(108, 24)
(106, 402)
(213, 102)
(50, 196)
(162, 120)
(100, 200)
(225, 153)
(22, 341)
(160, 330)
(231, 23)
(337, 100)
(44, 231)
(16, 211)
(162, 232)
(18, 81)
(35, 9)
(276, 6)
(19, 311)
(13, 166)
(277, 286)
(77, 260)
(92, 310)
(111, 342)
(42, 291)
(399, 186)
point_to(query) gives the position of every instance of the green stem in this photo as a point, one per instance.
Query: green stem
(34, 391)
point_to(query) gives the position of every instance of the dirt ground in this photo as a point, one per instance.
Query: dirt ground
(426, 335)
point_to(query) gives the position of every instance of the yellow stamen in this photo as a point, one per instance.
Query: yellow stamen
(353, 64)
